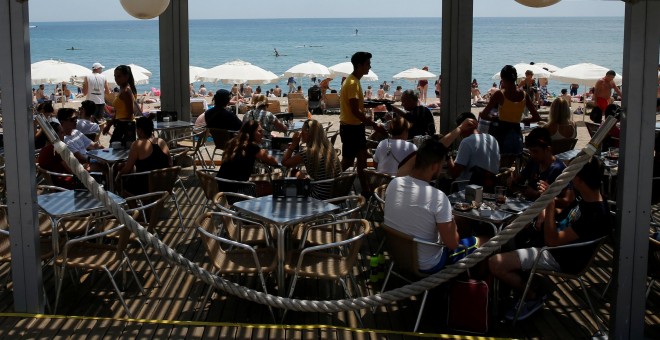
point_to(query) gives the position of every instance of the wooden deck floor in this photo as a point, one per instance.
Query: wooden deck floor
(90, 308)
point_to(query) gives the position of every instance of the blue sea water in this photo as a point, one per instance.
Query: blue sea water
(396, 44)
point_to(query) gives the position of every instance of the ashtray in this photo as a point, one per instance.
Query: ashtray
(462, 206)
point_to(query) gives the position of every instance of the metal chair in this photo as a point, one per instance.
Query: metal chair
(333, 187)
(402, 249)
(220, 139)
(596, 244)
(231, 256)
(146, 210)
(563, 145)
(160, 180)
(81, 253)
(239, 228)
(374, 180)
(310, 233)
(320, 262)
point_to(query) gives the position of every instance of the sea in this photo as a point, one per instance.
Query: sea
(396, 44)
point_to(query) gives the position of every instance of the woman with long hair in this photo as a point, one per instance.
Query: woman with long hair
(560, 124)
(241, 152)
(319, 157)
(510, 102)
(147, 153)
(124, 105)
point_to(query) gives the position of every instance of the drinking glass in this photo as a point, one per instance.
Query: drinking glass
(500, 195)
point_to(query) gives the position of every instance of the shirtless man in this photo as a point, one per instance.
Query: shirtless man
(603, 90)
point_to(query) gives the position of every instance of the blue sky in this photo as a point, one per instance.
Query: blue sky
(89, 10)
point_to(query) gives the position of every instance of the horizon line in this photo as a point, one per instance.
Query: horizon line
(325, 18)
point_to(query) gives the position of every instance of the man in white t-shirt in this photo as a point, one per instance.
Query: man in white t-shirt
(477, 150)
(415, 207)
(95, 88)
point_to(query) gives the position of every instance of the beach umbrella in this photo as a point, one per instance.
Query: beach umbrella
(139, 77)
(415, 74)
(56, 71)
(522, 68)
(346, 68)
(309, 69)
(551, 68)
(238, 72)
(584, 74)
(138, 68)
(194, 72)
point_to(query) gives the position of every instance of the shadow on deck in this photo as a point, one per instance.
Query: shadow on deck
(169, 310)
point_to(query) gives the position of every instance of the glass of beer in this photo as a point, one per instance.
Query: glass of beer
(500, 195)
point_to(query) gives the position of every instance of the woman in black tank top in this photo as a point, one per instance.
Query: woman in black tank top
(147, 153)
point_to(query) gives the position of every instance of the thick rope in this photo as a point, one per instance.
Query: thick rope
(331, 306)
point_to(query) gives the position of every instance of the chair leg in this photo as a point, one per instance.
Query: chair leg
(263, 284)
(119, 295)
(151, 265)
(183, 187)
(421, 310)
(522, 298)
(591, 307)
(348, 293)
(178, 211)
(137, 281)
(607, 287)
(387, 276)
(58, 289)
(206, 298)
(648, 289)
(291, 289)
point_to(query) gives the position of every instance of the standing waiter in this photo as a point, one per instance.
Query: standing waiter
(95, 88)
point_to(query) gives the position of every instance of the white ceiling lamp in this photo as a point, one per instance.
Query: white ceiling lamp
(537, 3)
(145, 9)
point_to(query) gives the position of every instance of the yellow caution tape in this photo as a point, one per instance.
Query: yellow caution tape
(246, 325)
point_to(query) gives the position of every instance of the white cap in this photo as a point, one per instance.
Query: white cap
(97, 65)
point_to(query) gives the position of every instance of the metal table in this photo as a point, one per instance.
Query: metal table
(168, 128)
(109, 157)
(284, 212)
(70, 203)
(296, 126)
(567, 155)
(504, 212)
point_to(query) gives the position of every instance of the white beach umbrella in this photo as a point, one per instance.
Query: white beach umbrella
(139, 77)
(522, 68)
(238, 72)
(194, 72)
(551, 68)
(138, 68)
(55, 71)
(346, 68)
(415, 74)
(309, 69)
(584, 74)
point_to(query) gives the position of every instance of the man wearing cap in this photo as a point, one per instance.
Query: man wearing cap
(95, 88)
(218, 117)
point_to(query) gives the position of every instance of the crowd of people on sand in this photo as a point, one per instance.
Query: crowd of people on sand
(409, 149)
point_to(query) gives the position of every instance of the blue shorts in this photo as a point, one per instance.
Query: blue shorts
(469, 243)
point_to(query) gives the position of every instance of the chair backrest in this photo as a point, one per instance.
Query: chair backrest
(592, 128)
(57, 179)
(214, 251)
(380, 194)
(298, 107)
(149, 206)
(295, 95)
(351, 205)
(332, 100)
(224, 200)
(343, 184)
(208, 183)
(274, 105)
(402, 249)
(196, 108)
(221, 137)
(594, 244)
(563, 145)
(246, 188)
(163, 179)
(376, 179)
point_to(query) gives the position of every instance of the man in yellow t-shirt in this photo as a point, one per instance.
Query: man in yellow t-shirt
(352, 117)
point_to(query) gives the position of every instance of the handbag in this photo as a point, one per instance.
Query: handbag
(467, 309)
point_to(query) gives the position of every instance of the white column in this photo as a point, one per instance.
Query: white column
(457, 18)
(640, 59)
(19, 156)
(174, 59)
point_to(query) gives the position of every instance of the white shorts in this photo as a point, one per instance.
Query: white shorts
(527, 257)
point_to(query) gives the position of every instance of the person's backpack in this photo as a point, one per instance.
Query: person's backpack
(468, 306)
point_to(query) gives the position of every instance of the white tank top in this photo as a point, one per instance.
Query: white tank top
(96, 88)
